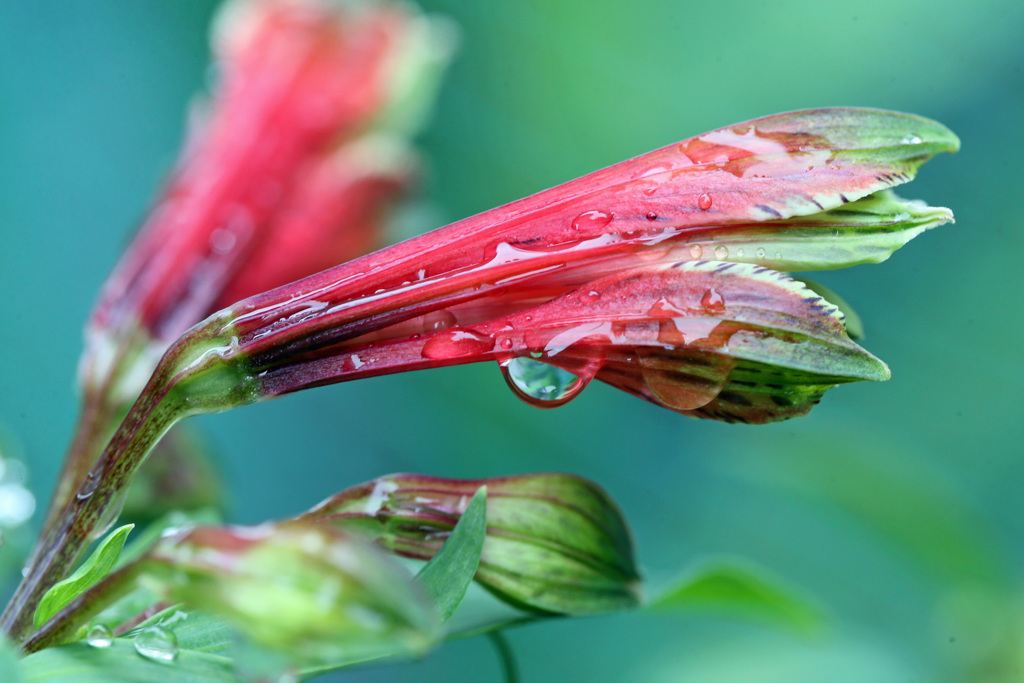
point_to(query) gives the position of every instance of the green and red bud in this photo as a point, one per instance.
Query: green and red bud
(555, 542)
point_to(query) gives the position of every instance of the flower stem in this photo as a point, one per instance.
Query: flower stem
(94, 505)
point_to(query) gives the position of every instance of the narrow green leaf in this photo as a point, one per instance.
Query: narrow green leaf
(100, 563)
(447, 576)
(743, 588)
(120, 663)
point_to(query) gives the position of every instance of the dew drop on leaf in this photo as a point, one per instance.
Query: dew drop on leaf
(99, 635)
(156, 642)
(541, 385)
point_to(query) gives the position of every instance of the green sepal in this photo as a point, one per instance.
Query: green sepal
(100, 563)
(447, 576)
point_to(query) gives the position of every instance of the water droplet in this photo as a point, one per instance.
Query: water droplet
(457, 343)
(100, 636)
(778, 255)
(696, 251)
(435, 321)
(591, 221)
(740, 252)
(721, 252)
(761, 252)
(713, 301)
(590, 297)
(157, 643)
(541, 385)
(651, 216)
(88, 487)
(506, 344)
(704, 201)
(910, 139)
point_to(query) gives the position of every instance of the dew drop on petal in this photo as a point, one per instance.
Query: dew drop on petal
(651, 216)
(761, 252)
(740, 252)
(721, 252)
(506, 343)
(541, 385)
(696, 251)
(99, 635)
(704, 201)
(157, 643)
(591, 220)
(713, 301)
(590, 297)
(457, 343)
(438, 320)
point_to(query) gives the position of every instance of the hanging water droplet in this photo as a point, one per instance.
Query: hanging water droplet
(761, 252)
(591, 220)
(696, 251)
(541, 385)
(721, 252)
(99, 636)
(590, 297)
(910, 139)
(156, 642)
(457, 343)
(704, 201)
(713, 301)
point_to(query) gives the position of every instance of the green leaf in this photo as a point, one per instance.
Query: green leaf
(9, 663)
(447, 576)
(100, 563)
(743, 588)
(119, 663)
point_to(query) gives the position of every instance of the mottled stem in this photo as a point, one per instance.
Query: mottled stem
(79, 523)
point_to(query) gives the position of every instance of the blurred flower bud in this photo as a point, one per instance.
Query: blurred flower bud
(316, 593)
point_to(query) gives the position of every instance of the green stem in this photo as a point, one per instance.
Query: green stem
(505, 655)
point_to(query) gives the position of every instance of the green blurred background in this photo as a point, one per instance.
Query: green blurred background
(898, 506)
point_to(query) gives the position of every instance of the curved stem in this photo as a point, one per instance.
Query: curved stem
(79, 523)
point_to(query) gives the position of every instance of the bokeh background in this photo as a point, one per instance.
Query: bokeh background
(899, 507)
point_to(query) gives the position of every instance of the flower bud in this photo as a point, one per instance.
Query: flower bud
(555, 542)
(316, 593)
